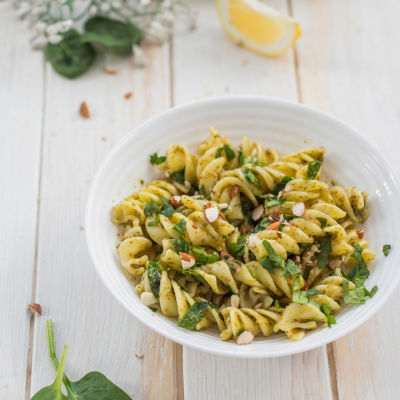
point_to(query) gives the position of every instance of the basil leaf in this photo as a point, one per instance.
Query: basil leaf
(239, 331)
(147, 210)
(314, 304)
(349, 296)
(165, 201)
(322, 257)
(181, 245)
(266, 265)
(263, 224)
(154, 273)
(280, 186)
(178, 176)
(313, 168)
(154, 205)
(219, 151)
(168, 210)
(360, 268)
(251, 177)
(323, 221)
(116, 36)
(199, 250)
(253, 274)
(241, 244)
(152, 223)
(70, 57)
(153, 309)
(292, 268)
(180, 227)
(326, 309)
(183, 288)
(310, 292)
(195, 314)
(273, 203)
(372, 293)
(277, 304)
(205, 259)
(230, 154)
(155, 160)
(331, 320)
(276, 261)
(386, 249)
(298, 295)
(202, 190)
(232, 249)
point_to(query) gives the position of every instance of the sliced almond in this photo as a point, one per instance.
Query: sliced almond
(252, 240)
(245, 337)
(288, 187)
(226, 255)
(298, 209)
(315, 248)
(312, 263)
(212, 214)
(36, 307)
(223, 205)
(139, 355)
(109, 70)
(235, 301)
(222, 216)
(244, 230)
(187, 260)
(277, 215)
(360, 233)
(167, 174)
(175, 201)
(257, 305)
(333, 264)
(273, 227)
(279, 195)
(148, 298)
(257, 212)
(84, 110)
(128, 95)
(279, 234)
(237, 266)
(293, 224)
(234, 190)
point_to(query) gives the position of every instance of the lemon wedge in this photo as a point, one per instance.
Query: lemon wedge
(257, 27)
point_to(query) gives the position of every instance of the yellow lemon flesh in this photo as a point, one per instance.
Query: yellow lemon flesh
(258, 27)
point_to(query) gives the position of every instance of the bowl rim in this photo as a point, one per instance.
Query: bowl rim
(289, 350)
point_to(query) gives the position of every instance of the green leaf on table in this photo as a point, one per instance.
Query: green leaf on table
(70, 57)
(251, 177)
(154, 273)
(93, 385)
(178, 176)
(322, 257)
(195, 314)
(360, 268)
(181, 245)
(313, 168)
(323, 222)
(53, 392)
(116, 36)
(280, 186)
(180, 227)
(155, 160)
(386, 249)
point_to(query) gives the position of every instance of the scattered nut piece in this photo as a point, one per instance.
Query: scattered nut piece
(128, 95)
(222, 216)
(245, 337)
(244, 230)
(360, 233)
(82, 228)
(167, 174)
(315, 248)
(312, 263)
(139, 355)
(252, 240)
(257, 212)
(175, 201)
(103, 139)
(298, 209)
(109, 70)
(277, 215)
(279, 234)
(212, 214)
(36, 307)
(187, 260)
(235, 301)
(279, 195)
(223, 205)
(293, 224)
(305, 286)
(288, 187)
(84, 110)
(148, 298)
(237, 266)
(273, 227)
(333, 264)
(226, 254)
(257, 305)
(234, 190)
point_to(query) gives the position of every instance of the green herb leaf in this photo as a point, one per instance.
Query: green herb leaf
(168, 210)
(219, 151)
(116, 36)
(199, 250)
(154, 273)
(298, 295)
(277, 304)
(360, 268)
(178, 176)
(280, 186)
(152, 223)
(239, 331)
(243, 160)
(273, 203)
(372, 293)
(349, 296)
(155, 160)
(154, 205)
(181, 245)
(195, 314)
(326, 309)
(230, 154)
(165, 201)
(202, 190)
(266, 265)
(147, 210)
(251, 177)
(292, 268)
(313, 168)
(232, 248)
(322, 257)
(253, 274)
(205, 259)
(323, 221)
(183, 288)
(276, 261)
(386, 249)
(70, 57)
(314, 304)
(331, 320)
(180, 227)
(153, 309)
(263, 224)
(241, 244)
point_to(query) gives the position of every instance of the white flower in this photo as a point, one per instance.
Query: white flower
(93, 10)
(23, 9)
(65, 26)
(53, 29)
(40, 26)
(38, 10)
(105, 7)
(55, 39)
(139, 58)
(117, 4)
(39, 42)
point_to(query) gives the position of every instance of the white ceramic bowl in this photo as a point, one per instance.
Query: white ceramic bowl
(351, 160)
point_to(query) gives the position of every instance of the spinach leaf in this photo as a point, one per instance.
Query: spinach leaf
(93, 385)
(313, 168)
(70, 57)
(276, 261)
(230, 154)
(155, 160)
(180, 227)
(360, 267)
(263, 224)
(195, 314)
(53, 392)
(322, 257)
(179, 176)
(280, 186)
(181, 245)
(251, 177)
(386, 249)
(154, 273)
(116, 36)
(323, 221)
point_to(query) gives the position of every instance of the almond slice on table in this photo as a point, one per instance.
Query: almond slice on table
(84, 110)
(212, 214)
(245, 337)
(187, 260)
(36, 307)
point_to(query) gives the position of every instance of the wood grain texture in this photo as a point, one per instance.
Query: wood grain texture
(20, 133)
(348, 66)
(206, 63)
(102, 336)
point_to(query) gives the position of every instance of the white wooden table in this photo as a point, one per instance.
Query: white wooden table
(346, 63)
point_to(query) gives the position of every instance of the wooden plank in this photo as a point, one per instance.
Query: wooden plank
(101, 334)
(206, 63)
(21, 103)
(348, 66)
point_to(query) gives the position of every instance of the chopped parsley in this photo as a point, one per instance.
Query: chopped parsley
(386, 249)
(251, 177)
(155, 160)
(180, 227)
